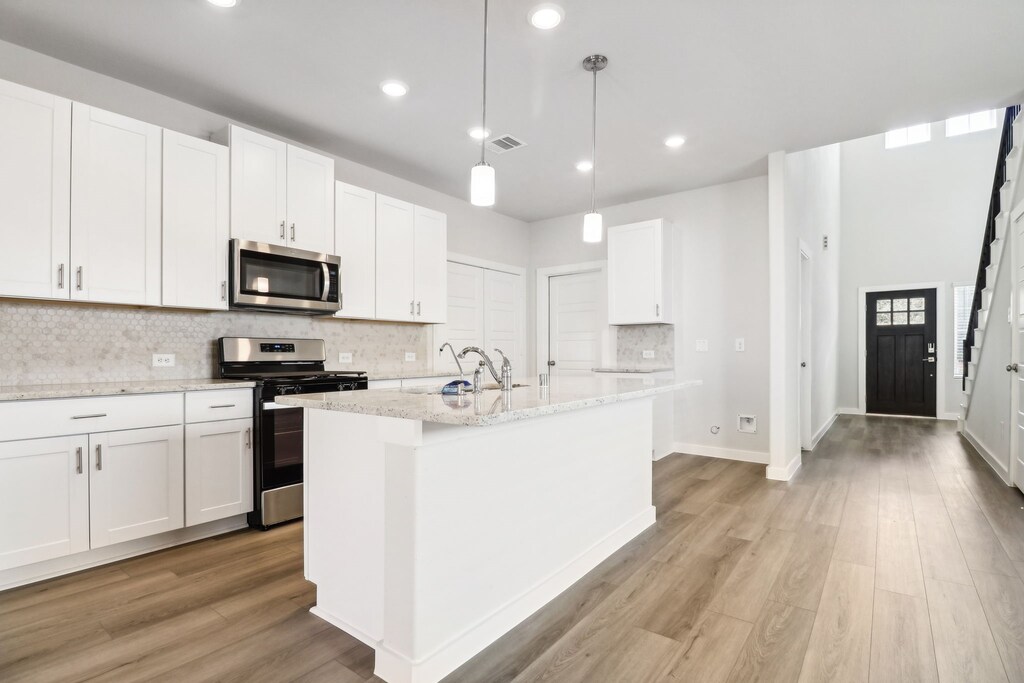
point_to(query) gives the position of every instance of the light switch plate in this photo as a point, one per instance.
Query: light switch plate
(648, 354)
(345, 357)
(410, 356)
(163, 360)
(741, 344)
(702, 346)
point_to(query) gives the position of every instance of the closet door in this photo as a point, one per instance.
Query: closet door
(503, 316)
(35, 164)
(115, 208)
(465, 325)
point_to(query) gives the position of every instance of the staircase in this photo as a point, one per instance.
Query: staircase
(1008, 170)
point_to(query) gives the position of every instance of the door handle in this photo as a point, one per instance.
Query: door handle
(419, 305)
(803, 364)
(78, 460)
(248, 437)
(657, 309)
(282, 231)
(1012, 367)
(60, 276)
(224, 405)
(551, 363)
(78, 275)
(88, 417)
(99, 456)
(412, 308)
(327, 278)
(223, 290)
(293, 232)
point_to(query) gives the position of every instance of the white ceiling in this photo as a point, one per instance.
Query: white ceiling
(738, 78)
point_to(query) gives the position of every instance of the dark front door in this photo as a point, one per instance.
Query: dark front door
(901, 363)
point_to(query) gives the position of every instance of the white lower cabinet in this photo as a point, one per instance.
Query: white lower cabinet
(44, 499)
(136, 484)
(218, 470)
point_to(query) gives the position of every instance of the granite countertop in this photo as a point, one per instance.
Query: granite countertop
(492, 406)
(637, 369)
(24, 392)
(415, 375)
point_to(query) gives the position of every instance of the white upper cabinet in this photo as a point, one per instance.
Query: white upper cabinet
(396, 277)
(310, 201)
(195, 222)
(115, 208)
(258, 187)
(35, 164)
(431, 266)
(639, 273)
(280, 194)
(355, 241)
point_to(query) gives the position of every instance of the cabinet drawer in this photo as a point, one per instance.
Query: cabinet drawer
(64, 416)
(219, 404)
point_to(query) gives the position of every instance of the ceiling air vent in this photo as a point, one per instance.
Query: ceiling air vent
(504, 143)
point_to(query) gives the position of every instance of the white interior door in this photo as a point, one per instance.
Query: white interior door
(805, 369)
(1018, 245)
(575, 322)
(503, 317)
(465, 326)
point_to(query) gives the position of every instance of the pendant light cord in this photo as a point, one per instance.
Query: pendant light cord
(483, 115)
(593, 153)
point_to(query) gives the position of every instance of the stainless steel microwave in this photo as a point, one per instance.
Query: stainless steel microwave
(281, 279)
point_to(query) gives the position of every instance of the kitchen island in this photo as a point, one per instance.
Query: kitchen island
(435, 524)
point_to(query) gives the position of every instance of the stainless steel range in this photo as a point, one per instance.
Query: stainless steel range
(280, 367)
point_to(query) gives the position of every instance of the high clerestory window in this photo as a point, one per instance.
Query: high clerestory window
(911, 135)
(972, 123)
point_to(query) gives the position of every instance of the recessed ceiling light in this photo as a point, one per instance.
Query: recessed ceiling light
(584, 166)
(223, 3)
(478, 133)
(546, 16)
(675, 141)
(394, 88)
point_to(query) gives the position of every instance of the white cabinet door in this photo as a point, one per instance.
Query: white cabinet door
(396, 280)
(44, 499)
(465, 324)
(636, 272)
(431, 266)
(136, 485)
(355, 241)
(310, 201)
(195, 222)
(503, 317)
(258, 186)
(218, 470)
(35, 194)
(115, 208)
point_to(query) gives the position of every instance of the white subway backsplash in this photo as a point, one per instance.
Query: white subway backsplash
(56, 342)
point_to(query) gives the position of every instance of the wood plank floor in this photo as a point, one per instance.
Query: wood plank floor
(894, 555)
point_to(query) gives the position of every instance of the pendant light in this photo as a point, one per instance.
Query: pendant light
(593, 227)
(481, 178)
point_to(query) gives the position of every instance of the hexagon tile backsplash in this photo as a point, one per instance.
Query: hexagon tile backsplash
(53, 342)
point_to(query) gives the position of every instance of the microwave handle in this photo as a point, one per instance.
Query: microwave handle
(327, 282)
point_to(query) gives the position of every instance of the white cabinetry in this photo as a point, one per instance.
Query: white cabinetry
(280, 194)
(44, 499)
(195, 222)
(639, 273)
(412, 248)
(35, 195)
(136, 486)
(355, 241)
(218, 470)
(115, 208)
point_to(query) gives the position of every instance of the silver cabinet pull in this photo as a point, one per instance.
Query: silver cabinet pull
(282, 230)
(224, 405)
(78, 276)
(60, 276)
(248, 437)
(293, 232)
(78, 459)
(223, 290)
(657, 309)
(88, 417)
(412, 308)
(99, 456)
(419, 308)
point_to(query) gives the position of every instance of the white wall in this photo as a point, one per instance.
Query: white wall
(911, 214)
(719, 293)
(471, 230)
(989, 413)
(812, 211)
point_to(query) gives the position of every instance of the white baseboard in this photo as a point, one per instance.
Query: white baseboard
(949, 416)
(824, 430)
(58, 566)
(784, 473)
(396, 668)
(723, 453)
(846, 410)
(999, 468)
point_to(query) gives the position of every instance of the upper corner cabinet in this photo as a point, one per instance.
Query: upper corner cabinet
(639, 273)
(280, 194)
(35, 195)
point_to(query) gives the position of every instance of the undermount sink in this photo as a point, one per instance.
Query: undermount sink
(469, 390)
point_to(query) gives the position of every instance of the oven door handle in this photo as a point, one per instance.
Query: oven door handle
(270, 405)
(327, 282)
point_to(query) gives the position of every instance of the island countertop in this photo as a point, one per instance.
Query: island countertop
(492, 406)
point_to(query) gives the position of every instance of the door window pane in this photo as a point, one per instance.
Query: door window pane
(899, 318)
(899, 304)
(883, 305)
(882, 319)
(917, 317)
(917, 303)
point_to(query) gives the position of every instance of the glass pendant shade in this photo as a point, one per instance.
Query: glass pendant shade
(593, 227)
(481, 185)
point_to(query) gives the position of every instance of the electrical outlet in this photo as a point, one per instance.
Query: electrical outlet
(410, 356)
(702, 346)
(741, 344)
(345, 357)
(648, 354)
(163, 360)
